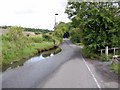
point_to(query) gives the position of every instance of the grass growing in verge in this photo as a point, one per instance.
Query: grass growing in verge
(116, 68)
(16, 54)
(16, 46)
(87, 53)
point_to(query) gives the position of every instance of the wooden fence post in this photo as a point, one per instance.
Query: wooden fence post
(101, 51)
(114, 51)
(106, 51)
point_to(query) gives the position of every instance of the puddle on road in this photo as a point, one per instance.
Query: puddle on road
(37, 58)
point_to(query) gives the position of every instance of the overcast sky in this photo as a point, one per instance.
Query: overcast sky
(32, 13)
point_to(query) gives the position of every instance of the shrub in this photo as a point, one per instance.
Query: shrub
(75, 35)
(116, 68)
(87, 53)
(104, 58)
(37, 33)
(47, 37)
(35, 39)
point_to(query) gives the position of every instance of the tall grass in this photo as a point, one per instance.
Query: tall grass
(116, 68)
(16, 46)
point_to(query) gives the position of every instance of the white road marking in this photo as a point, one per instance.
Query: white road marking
(91, 73)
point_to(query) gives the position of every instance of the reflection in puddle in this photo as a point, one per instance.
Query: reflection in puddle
(52, 54)
(37, 58)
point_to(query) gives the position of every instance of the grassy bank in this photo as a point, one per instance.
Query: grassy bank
(16, 46)
(30, 50)
(116, 68)
(97, 56)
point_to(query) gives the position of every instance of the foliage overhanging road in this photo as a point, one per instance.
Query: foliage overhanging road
(64, 70)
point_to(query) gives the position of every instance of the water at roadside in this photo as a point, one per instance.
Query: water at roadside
(36, 58)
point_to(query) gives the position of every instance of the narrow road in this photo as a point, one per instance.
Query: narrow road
(68, 69)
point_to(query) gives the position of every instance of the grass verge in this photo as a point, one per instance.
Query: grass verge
(14, 55)
(116, 68)
(93, 56)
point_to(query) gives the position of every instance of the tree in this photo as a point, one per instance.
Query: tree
(97, 22)
(75, 35)
(61, 28)
(15, 33)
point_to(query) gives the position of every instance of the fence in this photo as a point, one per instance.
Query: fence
(107, 50)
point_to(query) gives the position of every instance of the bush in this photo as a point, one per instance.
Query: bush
(106, 58)
(75, 35)
(16, 46)
(116, 68)
(57, 50)
(47, 37)
(35, 39)
(87, 53)
(118, 52)
(37, 33)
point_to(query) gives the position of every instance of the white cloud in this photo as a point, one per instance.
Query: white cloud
(32, 13)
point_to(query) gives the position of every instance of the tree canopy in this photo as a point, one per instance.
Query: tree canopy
(37, 30)
(98, 23)
(61, 29)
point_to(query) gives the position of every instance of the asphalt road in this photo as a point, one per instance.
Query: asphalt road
(67, 69)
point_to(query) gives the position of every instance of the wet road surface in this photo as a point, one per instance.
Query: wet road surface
(67, 69)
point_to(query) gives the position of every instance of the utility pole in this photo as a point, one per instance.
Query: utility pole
(55, 28)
